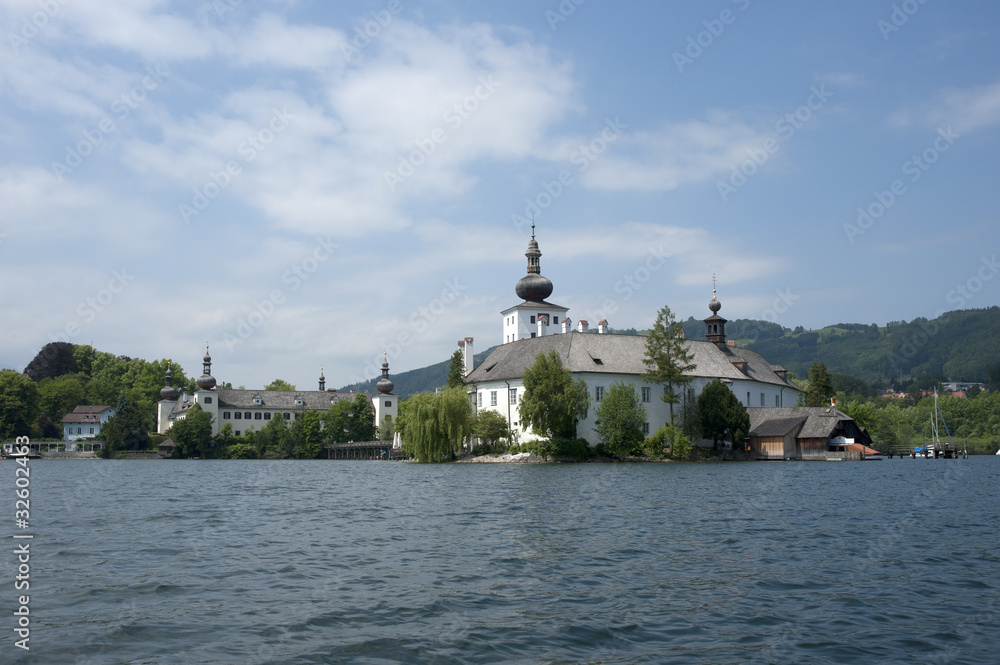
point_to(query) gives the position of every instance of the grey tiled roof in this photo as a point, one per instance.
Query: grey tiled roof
(85, 414)
(820, 421)
(313, 400)
(778, 427)
(617, 354)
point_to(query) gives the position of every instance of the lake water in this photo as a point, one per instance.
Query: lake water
(261, 562)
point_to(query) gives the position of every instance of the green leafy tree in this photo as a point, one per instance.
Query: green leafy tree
(436, 425)
(722, 415)
(620, 420)
(553, 402)
(54, 359)
(277, 435)
(362, 425)
(456, 370)
(19, 404)
(306, 437)
(668, 357)
(193, 434)
(350, 420)
(386, 429)
(491, 427)
(279, 384)
(820, 386)
(60, 395)
(670, 438)
(128, 429)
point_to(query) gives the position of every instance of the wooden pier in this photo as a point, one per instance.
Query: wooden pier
(365, 450)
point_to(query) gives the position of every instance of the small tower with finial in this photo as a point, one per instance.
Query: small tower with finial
(385, 403)
(715, 325)
(322, 380)
(522, 320)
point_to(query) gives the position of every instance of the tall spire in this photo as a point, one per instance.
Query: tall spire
(385, 384)
(533, 286)
(168, 391)
(206, 381)
(322, 379)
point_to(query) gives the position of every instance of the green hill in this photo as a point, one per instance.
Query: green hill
(425, 379)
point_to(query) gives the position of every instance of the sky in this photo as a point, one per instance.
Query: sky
(315, 184)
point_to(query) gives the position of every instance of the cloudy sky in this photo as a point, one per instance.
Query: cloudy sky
(311, 183)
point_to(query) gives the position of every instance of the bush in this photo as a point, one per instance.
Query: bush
(482, 449)
(680, 446)
(574, 448)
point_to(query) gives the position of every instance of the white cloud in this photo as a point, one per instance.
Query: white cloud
(965, 109)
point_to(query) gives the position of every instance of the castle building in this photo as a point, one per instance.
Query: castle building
(251, 410)
(601, 358)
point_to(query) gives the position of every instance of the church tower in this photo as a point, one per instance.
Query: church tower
(206, 395)
(385, 403)
(534, 317)
(715, 325)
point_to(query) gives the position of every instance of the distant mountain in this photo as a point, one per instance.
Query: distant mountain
(425, 379)
(956, 346)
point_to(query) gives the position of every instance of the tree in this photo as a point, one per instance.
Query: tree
(279, 384)
(722, 415)
(491, 427)
(386, 429)
(349, 420)
(193, 433)
(277, 439)
(553, 402)
(436, 425)
(362, 425)
(307, 440)
(456, 370)
(54, 359)
(128, 429)
(60, 395)
(668, 357)
(18, 404)
(620, 420)
(820, 386)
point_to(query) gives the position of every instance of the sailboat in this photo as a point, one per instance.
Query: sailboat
(936, 448)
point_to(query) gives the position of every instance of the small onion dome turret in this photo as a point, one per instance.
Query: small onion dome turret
(714, 304)
(384, 384)
(168, 391)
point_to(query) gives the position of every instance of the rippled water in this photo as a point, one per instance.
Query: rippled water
(376, 562)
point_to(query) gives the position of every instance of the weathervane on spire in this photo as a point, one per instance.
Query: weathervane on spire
(713, 284)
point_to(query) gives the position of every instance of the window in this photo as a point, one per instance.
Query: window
(533, 334)
(257, 415)
(762, 399)
(532, 318)
(645, 429)
(237, 415)
(777, 400)
(493, 398)
(479, 399)
(208, 400)
(79, 430)
(388, 402)
(513, 395)
(91, 430)
(225, 415)
(237, 433)
(748, 398)
(646, 392)
(287, 415)
(267, 415)
(598, 393)
(257, 400)
(246, 415)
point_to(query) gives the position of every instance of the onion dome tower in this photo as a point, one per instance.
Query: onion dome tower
(168, 391)
(322, 380)
(206, 381)
(384, 384)
(715, 325)
(533, 287)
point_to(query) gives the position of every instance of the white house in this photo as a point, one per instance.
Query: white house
(85, 422)
(601, 358)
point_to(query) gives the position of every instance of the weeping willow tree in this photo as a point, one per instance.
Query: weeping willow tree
(436, 425)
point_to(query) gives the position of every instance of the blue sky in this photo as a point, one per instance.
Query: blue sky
(303, 185)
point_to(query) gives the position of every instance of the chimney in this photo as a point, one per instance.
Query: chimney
(567, 325)
(582, 326)
(542, 321)
(469, 359)
(602, 326)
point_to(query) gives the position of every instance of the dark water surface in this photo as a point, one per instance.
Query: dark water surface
(256, 562)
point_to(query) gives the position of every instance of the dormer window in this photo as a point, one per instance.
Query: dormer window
(298, 401)
(257, 401)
